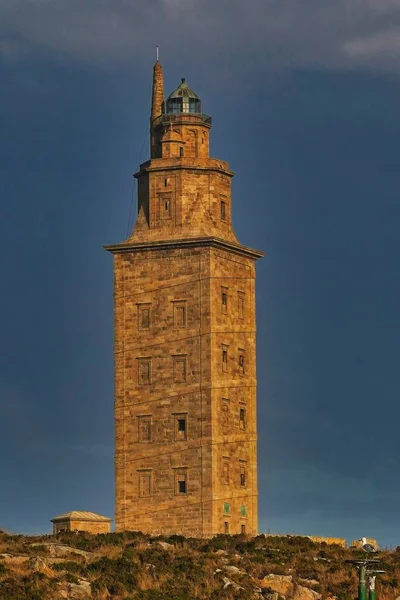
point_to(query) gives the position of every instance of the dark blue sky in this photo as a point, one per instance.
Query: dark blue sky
(305, 106)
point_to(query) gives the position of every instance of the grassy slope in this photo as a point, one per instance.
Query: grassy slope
(133, 566)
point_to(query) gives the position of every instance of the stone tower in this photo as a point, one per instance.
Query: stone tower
(185, 339)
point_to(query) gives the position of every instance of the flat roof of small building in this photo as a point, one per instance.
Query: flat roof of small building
(80, 515)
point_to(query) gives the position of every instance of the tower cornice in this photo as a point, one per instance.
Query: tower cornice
(198, 242)
(179, 163)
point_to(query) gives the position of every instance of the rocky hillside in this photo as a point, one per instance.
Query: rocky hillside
(138, 567)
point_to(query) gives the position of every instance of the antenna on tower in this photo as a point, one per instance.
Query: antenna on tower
(158, 53)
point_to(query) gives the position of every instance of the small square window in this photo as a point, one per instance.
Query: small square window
(223, 210)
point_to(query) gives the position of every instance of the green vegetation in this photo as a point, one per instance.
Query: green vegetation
(133, 566)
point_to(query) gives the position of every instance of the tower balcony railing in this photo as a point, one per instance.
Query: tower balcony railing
(168, 118)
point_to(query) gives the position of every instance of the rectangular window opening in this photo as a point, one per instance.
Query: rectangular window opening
(144, 316)
(144, 371)
(226, 528)
(225, 413)
(179, 368)
(243, 529)
(180, 482)
(145, 488)
(144, 428)
(180, 427)
(179, 315)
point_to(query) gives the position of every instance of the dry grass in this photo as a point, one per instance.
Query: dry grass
(135, 566)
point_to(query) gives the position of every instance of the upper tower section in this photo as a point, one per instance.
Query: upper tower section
(183, 193)
(178, 127)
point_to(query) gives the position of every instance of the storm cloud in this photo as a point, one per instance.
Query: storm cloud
(273, 33)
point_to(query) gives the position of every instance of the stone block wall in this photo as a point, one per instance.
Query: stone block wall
(89, 526)
(169, 373)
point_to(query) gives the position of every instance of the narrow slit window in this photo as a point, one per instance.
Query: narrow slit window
(243, 475)
(181, 151)
(225, 414)
(226, 528)
(241, 362)
(224, 299)
(225, 472)
(165, 206)
(242, 418)
(224, 360)
(223, 210)
(241, 305)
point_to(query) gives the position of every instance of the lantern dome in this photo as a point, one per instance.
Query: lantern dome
(183, 100)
